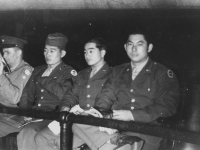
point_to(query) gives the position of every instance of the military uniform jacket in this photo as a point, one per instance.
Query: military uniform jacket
(154, 92)
(45, 93)
(86, 89)
(11, 85)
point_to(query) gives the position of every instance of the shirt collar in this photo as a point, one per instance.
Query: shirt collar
(99, 67)
(139, 66)
(55, 65)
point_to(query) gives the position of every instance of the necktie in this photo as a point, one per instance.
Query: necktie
(93, 72)
(47, 72)
(134, 73)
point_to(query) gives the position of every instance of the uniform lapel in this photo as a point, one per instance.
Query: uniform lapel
(54, 74)
(144, 73)
(57, 71)
(86, 76)
(100, 73)
(127, 74)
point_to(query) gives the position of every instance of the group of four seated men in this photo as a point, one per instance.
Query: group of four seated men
(141, 91)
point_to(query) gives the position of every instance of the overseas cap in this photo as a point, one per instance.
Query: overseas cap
(9, 41)
(56, 39)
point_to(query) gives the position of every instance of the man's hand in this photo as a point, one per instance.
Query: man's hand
(124, 115)
(77, 110)
(108, 130)
(64, 108)
(94, 112)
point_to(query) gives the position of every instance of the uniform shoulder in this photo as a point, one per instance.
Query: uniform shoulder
(159, 66)
(120, 67)
(68, 68)
(26, 69)
(27, 66)
(84, 70)
(40, 67)
(163, 70)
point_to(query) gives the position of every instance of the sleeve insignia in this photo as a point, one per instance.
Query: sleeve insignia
(170, 74)
(74, 73)
(27, 72)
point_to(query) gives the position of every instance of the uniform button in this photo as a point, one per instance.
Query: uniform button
(42, 97)
(88, 86)
(133, 100)
(132, 107)
(39, 105)
(88, 96)
(148, 89)
(88, 105)
(36, 82)
(131, 90)
(42, 90)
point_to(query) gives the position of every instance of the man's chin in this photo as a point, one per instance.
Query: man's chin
(90, 63)
(48, 63)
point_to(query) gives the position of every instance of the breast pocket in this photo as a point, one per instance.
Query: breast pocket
(143, 87)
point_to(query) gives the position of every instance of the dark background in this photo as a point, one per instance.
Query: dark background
(175, 35)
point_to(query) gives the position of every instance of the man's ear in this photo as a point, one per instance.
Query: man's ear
(19, 52)
(103, 53)
(150, 47)
(63, 53)
(125, 46)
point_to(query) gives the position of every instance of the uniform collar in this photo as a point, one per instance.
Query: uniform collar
(148, 66)
(57, 70)
(55, 65)
(18, 66)
(104, 69)
(140, 66)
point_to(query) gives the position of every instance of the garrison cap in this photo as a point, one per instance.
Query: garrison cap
(56, 39)
(9, 41)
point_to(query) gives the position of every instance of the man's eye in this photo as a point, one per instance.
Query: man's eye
(140, 44)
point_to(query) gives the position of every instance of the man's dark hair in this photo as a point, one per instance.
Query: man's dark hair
(143, 31)
(100, 43)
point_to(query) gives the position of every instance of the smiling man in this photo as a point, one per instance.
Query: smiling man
(46, 87)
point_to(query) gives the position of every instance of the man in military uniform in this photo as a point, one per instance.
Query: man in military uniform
(89, 85)
(13, 81)
(141, 91)
(46, 87)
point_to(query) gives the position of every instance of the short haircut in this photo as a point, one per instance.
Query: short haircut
(143, 31)
(100, 43)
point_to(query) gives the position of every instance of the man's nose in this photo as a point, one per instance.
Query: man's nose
(134, 48)
(87, 55)
(47, 53)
